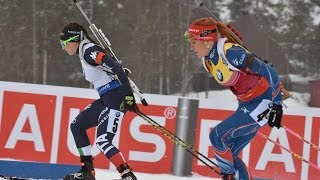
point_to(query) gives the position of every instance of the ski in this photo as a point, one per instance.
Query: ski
(2, 177)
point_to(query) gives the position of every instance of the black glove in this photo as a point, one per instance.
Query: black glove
(275, 116)
(130, 103)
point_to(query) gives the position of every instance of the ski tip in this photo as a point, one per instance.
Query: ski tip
(2, 177)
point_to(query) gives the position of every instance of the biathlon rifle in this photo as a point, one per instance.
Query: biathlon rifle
(105, 43)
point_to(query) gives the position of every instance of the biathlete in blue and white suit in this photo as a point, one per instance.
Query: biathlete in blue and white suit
(252, 81)
(116, 97)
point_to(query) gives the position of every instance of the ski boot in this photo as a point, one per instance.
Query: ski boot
(126, 172)
(86, 172)
(228, 177)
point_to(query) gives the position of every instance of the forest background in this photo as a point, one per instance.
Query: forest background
(147, 36)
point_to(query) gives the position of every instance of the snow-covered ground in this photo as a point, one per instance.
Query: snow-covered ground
(113, 175)
(109, 175)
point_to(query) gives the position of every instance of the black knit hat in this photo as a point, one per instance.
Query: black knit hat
(72, 30)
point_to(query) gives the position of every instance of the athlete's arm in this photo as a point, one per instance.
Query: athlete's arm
(245, 61)
(95, 56)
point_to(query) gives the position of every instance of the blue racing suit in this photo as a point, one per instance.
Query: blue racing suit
(256, 86)
(112, 84)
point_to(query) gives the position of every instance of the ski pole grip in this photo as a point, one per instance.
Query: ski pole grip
(75, 1)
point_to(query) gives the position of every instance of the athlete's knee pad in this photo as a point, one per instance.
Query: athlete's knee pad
(104, 144)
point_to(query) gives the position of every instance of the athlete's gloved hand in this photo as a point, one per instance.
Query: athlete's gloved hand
(275, 116)
(130, 103)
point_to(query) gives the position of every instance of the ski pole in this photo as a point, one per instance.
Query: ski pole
(300, 137)
(291, 152)
(178, 141)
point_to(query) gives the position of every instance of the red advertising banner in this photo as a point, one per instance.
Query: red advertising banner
(26, 126)
(314, 153)
(36, 123)
(67, 152)
(146, 148)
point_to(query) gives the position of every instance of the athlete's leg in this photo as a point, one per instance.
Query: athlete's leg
(233, 134)
(86, 119)
(242, 172)
(109, 124)
(229, 137)
(219, 138)
(250, 112)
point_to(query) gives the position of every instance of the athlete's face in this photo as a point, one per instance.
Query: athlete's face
(201, 48)
(71, 48)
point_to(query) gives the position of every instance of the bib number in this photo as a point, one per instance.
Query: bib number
(260, 112)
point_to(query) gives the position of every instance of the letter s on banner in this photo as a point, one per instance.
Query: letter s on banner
(146, 148)
(160, 146)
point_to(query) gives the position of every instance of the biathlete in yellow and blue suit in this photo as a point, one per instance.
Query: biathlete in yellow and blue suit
(252, 81)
